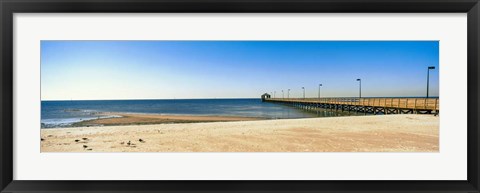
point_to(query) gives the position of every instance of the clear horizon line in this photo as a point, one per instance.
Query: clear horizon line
(220, 98)
(145, 99)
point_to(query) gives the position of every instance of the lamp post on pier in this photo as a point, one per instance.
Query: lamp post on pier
(283, 96)
(303, 92)
(320, 85)
(288, 93)
(428, 76)
(360, 88)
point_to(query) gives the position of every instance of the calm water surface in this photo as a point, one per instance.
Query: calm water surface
(65, 113)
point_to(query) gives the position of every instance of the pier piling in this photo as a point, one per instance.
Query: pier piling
(364, 105)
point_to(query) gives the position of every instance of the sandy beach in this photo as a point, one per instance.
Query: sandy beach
(386, 133)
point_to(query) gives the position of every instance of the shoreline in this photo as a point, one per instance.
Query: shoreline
(117, 119)
(376, 133)
(150, 119)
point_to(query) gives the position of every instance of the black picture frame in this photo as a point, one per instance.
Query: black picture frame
(9, 7)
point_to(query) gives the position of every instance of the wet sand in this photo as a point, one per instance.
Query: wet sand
(381, 133)
(144, 119)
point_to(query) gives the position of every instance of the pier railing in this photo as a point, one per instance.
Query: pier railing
(414, 104)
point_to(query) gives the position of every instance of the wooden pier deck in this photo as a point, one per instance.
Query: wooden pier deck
(365, 105)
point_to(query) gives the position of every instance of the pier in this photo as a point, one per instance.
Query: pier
(364, 105)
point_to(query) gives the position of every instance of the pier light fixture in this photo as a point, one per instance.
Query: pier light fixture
(428, 76)
(360, 88)
(303, 92)
(288, 93)
(319, 85)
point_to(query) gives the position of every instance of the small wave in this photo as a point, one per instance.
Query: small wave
(68, 122)
(72, 110)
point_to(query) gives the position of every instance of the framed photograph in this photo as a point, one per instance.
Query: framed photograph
(239, 96)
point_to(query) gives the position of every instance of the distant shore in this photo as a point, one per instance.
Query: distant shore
(381, 133)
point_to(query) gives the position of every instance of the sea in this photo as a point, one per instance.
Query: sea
(66, 113)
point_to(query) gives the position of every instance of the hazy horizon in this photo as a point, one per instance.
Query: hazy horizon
(166, 70)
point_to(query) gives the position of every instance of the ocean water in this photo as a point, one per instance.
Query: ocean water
(65, 113)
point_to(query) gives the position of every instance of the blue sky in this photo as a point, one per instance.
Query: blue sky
(85, 70)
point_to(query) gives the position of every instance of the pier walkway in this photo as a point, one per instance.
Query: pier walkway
(365, 105)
